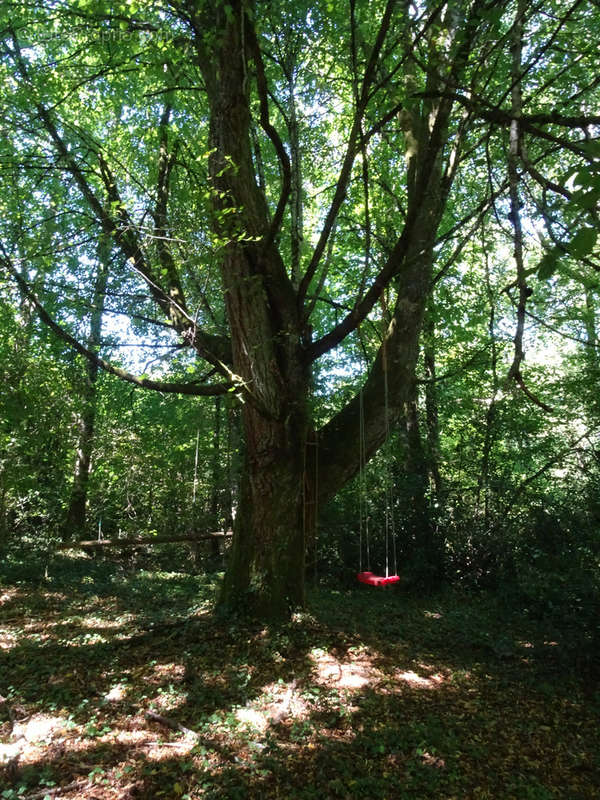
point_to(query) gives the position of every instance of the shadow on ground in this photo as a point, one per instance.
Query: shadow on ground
(122, 686)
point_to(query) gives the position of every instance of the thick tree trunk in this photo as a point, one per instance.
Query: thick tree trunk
(265, 574)
(271, 358)
(266, 569)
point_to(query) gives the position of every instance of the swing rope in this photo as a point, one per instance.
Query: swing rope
(390, 525)
(363, 510)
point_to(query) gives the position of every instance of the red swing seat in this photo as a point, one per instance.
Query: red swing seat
(377, 580)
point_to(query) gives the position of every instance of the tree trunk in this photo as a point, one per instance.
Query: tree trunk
(491, 412)
(592, 361)
(270, 348)
(296, 210)
(215, 511)
(265, 573)
(421, 546)
(431, 406)
(266, 569)
(74, 526)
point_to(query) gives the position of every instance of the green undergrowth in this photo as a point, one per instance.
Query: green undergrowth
(374, 692)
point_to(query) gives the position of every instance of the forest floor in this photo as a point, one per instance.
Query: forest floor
(117, 685)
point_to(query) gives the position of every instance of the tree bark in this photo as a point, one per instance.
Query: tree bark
(266, 568)
(592, 360)
(431, 406)
(491, 412)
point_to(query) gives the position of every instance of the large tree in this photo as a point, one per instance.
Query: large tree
(272, 177)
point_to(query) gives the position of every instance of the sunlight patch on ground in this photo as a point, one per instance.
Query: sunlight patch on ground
(43, 737)
(56, 597)
(116, 694)
(170, 670)
(57, 746)
(285, 702)
(351, 675)
(154, 750)
(83, 640)
(76, 630)
(10, 750)
(168, 701)
(431, 760)
(29, 734)
(40, 728)
(8, 595)
(277, 703)
(432, 614)
(252, 718)
(8, 640)
(161, 751)
(104, 624)
(410, 677)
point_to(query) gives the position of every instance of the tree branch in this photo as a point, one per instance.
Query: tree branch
(350, 155)
(213, 349)
(191, 388)
(271, 131)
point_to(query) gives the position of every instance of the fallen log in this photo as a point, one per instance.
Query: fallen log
(140, 541)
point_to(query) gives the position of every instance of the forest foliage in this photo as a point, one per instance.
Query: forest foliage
(492, 467)
(325, 274)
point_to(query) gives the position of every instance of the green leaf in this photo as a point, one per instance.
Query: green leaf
(592, 147)
(583, 242)
(585, 199)
(586, 178)
(547, 266)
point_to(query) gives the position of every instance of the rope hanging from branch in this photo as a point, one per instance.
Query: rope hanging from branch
(368, 577)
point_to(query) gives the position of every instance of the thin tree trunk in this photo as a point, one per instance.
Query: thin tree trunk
(232, 479)
(75, 521)
(216, 488)
(423, 549)
(490, 416)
